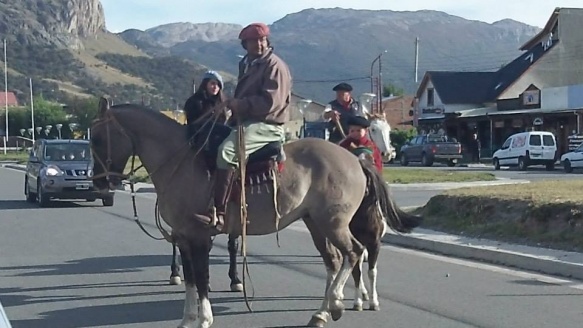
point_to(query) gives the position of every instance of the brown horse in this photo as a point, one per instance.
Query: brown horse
(318, 182)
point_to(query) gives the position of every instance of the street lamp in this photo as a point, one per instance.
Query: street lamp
(30, 131)
(48, 129)
(379, 81)
(303, 106)
(22, 132)
(73, 126)
(365, 101)
(38, 129)
(59, 126)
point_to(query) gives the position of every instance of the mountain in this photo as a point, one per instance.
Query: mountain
(324, 46)
(64, 46)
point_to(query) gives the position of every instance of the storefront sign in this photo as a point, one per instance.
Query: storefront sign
(537, 121)
(437, 111)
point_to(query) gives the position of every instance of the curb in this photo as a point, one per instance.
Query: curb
(520, 261)
(454, 185)
(15, 167)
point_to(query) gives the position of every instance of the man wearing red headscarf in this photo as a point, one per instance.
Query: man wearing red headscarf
(261, 103)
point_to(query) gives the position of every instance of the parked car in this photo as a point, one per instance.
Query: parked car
(525, 149)
(573, 159)
(61, 169)
(431, 148)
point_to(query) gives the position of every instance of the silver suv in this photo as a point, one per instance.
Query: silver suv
(61, 169)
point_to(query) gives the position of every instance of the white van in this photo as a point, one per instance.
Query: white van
(527, 148)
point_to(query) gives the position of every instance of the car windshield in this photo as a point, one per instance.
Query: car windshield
(67, 152)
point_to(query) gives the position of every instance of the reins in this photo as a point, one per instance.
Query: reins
(106, 166)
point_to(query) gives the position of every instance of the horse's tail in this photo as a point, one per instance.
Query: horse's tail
(379, 195)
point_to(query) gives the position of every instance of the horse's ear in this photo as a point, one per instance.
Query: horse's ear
(103, 107)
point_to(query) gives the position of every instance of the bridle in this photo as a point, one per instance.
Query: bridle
(107, 173)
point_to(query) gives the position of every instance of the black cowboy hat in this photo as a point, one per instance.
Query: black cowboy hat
(359, 121)
(342, 87)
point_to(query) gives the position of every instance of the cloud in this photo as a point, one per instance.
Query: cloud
(142, 14)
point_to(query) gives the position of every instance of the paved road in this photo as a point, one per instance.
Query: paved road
(533, 173)
(81, 265)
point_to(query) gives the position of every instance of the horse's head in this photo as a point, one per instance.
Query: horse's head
(380, 133)
(111, 148)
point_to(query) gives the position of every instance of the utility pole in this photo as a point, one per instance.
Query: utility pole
(416, 59)
(6, 92)
(31, 109)
(380, 87)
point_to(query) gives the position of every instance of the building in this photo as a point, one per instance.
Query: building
(398, 111)
(538, 90)
(12, 100)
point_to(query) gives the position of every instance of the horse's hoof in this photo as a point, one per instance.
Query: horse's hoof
(357, 307)
(176, 280)
(374, 307)
(336, 314)
(316, 322)
(237, 287)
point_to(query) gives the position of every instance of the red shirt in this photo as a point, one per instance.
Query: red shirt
(365, 142)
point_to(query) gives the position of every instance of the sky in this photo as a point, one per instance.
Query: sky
(143, 14)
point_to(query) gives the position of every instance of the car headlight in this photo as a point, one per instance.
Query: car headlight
(53, 171)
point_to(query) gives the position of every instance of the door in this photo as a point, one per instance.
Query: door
(549, 147)
(535, 147)
(576, 157)
(421, 141)
(35, 166)
(504, 151)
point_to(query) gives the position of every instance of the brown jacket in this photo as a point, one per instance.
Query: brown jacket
(263, 92)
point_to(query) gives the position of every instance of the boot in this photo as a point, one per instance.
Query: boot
(223, 185)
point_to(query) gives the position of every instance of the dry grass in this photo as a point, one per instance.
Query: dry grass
(70, 88)
(406, 176)
(107, 42)
(540, 192)
(547, 213)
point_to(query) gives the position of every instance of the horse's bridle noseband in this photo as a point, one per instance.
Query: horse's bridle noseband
(106, 166)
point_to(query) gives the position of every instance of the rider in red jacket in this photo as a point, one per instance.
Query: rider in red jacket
(359, 144)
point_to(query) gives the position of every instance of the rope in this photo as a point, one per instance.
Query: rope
(243, 209)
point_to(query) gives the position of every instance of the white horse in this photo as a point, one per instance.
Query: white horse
(380, 134)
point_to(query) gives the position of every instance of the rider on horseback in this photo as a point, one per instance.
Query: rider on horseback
(359, 144)
(206, 98)
(261, 104)
(340, 110)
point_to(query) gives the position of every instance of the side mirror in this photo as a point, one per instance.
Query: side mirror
(33, 159)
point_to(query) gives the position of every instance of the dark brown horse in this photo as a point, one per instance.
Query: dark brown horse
(322, 184)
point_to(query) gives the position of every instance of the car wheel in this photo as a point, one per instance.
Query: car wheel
(404, 160)
(107, 201)
(522, 164)
(30, 197)
(41, 198)
(450, 163)
(567, 166)
(425, 160)
(496, 163)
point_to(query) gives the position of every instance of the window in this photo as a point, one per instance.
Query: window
(430, 97)
(507, 143)
(67, 152)
(548, 140)
(534, 140)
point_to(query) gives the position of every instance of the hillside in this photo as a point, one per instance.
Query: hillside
(335, 44)
(64, 47)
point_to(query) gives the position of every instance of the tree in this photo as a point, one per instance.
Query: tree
(393, 90)
(82, 111)
(45, 113)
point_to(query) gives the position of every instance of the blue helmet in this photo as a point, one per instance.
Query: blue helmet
(213, 75)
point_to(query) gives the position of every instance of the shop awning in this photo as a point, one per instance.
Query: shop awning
(475, 112)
